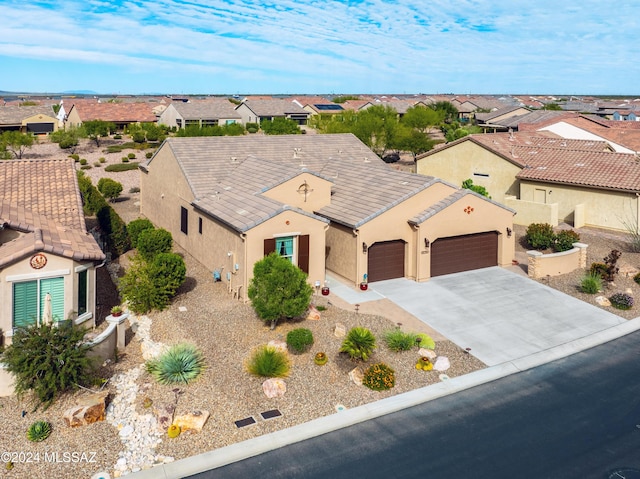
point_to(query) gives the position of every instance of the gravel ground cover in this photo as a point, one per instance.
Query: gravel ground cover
(227, 331)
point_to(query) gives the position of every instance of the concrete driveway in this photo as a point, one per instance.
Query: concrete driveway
(498, 314)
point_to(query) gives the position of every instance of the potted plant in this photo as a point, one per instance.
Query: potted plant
(363, 284)
(116, 311)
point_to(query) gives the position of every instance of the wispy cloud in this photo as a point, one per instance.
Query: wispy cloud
(323, 46)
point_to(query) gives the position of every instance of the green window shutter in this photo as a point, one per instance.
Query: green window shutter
(54, 286)
(25, 304)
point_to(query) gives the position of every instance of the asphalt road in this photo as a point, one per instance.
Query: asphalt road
(578, 417)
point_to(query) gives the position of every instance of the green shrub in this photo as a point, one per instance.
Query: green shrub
(138, 136)
(115, 229)
(540, 236)
(397, 340)
(134, 189)
(299, 340)
(151, 285)
(359, 343)
(426, 341)
(117, 137)
(122, 167)
(181, 363)
(39, 431)
(565, 239)
(136, 227)
(97, 164)
(131, 156)
(86, 167)
(252, 129)
(83, 161)
(92, 200)
(75, 157)
(254, 126)
(636, 278)
(599, 269)
(148, 154)
(150, 242)
(109, 188)
(102, 159)
(591, 283)
(321, 308)
(278, 289)
(621, 301)
(379, 377)
(125, 159)
(268, 361)
(48, 361)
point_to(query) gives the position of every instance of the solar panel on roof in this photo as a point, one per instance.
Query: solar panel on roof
(328, 107)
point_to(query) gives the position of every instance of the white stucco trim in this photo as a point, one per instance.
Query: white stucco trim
(284, 235)
(82, 267)
(25, 277)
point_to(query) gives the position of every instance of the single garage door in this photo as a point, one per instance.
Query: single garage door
(464, 253)
(385, 260)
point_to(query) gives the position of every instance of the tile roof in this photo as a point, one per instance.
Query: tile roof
(485, 117)
(14, 114)
(228, 174)
(274, 107)
(41, 199)
(535, 119)
(115, 112)
(214, 109)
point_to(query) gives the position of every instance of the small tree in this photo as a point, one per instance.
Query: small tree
(16, 142)
(278, 289)
(109, 188)
(279, 126)
(95, 129)
(136, 227)
(151, 242)
(48, 361)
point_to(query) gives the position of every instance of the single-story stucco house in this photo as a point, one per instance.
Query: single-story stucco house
(44, 246)
(326, 202)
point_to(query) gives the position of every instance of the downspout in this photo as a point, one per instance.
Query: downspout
(637, 213)
(356, 233)
(245, 283)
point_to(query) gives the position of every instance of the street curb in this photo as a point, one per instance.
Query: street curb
(259, 445)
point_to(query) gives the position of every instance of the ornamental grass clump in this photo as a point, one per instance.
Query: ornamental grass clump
(359, 343)
(269, 361)
(398, 340)
(379, 377)
(621, 301)
(591, 283)
(181, 363)
(38, 431)
(299, 340)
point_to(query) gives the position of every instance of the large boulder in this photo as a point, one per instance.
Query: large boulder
(89, 409)
(274, 387)
(193, 421)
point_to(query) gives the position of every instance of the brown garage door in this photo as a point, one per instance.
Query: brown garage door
(464, 253)
(386, 260)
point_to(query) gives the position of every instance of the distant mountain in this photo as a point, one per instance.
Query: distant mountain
(78, 92)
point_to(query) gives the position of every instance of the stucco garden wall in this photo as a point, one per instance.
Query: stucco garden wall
(555, 264)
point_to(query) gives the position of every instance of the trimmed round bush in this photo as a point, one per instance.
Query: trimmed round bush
(269, 361)
(565, 239)
(83, 161)
(299, 340)
(136, 227)
(131, 156)
(379, 377)
(181, 363)
(125, 159)
(151, 242)
(621, 301)
(540, 236)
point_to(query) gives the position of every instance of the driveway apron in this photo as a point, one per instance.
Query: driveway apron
(499, 315)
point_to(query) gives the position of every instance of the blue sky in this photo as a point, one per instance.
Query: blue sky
(320, 46)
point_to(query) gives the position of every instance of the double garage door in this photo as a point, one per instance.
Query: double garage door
(464, 253)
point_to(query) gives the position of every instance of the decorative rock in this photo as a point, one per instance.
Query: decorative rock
(279, 345)
(313, 314)
(193, 421)
(164, 415)
(628, 270)
(442, 364)
(602, 301)
(427, 353)
(90, 409)
(629, 291)
(274, 387)
(125, 432)
(356, 375)
(340, 331)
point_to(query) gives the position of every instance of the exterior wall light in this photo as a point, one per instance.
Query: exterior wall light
(364, 247)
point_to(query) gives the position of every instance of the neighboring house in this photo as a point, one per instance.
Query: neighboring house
(626, 115)
(324, 202)
(545, 179)
(356, 105)
(213, 112)
(491, 122)
(44, 245)
(255, 111)
(121, 114)
(316, 105)
(38, 119)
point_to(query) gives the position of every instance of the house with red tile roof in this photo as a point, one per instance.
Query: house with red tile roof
(45, 248)
(122, 114)
(545, 178)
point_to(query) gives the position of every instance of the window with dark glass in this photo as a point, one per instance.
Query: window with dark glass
(184, 220)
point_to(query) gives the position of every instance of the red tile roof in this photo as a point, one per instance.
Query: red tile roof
(116, 112)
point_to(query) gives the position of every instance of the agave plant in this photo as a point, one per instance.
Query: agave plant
(39, 431)
(181, 363)
(359, 343)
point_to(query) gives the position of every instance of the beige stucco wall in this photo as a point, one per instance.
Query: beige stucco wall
(466, 160)
(532, 212)
(342, 251)
(454, 221)
(40, 119)
(73, 119)
(290, 192)
(602, 208)
(56, 266)
(555, 264)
